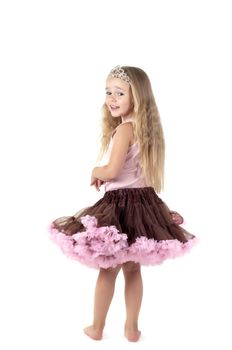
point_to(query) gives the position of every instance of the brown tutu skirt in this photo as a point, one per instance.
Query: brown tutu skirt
(131, 224)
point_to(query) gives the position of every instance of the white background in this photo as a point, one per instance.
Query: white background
(55, 56)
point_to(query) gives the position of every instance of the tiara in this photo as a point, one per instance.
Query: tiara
(118, 72)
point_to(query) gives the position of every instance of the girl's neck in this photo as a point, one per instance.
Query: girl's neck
(127, 119)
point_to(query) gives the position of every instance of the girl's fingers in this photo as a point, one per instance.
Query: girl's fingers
(97, 183)
(177, 218)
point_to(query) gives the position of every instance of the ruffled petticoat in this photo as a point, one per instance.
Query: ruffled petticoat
(131, 224)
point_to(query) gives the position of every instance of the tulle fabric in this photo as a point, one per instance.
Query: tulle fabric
(131, 224)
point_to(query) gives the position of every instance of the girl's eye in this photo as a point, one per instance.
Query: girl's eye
(108, 93)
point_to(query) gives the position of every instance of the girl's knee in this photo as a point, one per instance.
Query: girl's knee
(131, 267)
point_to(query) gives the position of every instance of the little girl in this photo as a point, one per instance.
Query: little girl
(130, 226)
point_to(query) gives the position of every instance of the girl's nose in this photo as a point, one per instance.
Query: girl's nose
(113, 97)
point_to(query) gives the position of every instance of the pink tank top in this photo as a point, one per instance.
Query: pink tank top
(131, 173)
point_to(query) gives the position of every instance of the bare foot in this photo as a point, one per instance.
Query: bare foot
(93, 333)
(132, 335)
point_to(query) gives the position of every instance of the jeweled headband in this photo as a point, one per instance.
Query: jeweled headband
(118, 72)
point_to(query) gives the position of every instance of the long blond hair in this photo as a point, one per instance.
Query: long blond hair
(147, 128)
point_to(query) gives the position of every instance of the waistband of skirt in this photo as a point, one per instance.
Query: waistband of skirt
(128, 191)
(132, 189)
(132, 194)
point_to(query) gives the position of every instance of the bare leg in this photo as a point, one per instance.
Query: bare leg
(104, 292)
(133, 299)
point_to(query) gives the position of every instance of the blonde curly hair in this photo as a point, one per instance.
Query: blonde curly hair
(147, 128)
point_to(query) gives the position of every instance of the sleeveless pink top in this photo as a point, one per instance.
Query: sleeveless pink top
(131, 173)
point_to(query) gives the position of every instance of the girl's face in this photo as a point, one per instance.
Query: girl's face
(118, 97)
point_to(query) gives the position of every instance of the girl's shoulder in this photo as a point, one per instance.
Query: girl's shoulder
(129, 124)
(126, 126)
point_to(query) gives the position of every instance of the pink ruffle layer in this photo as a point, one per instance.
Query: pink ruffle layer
(105, 247)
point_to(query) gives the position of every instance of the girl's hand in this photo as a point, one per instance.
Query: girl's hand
(96, 182)
(176, 217)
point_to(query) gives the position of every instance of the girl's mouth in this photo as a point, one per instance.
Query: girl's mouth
(114, 108)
